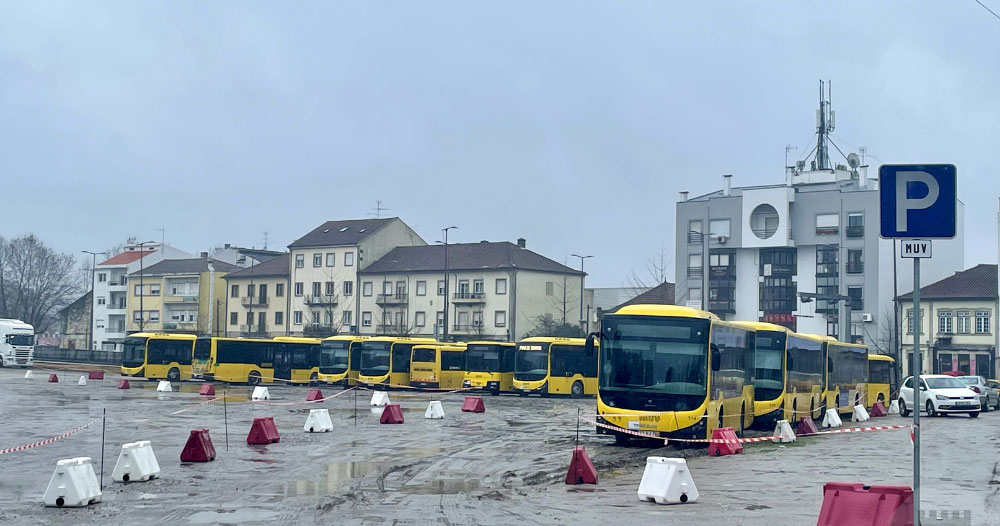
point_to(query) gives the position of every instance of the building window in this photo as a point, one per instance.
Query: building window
(234, 318)
(348, 259)
(777, 295)
(328, 288)
(421, 288)
(778, 262)
(722, 281)
(317, 260)
(331, 259)
(300, 260)
(694, 295)
(420, 319)
(827, 224)
(478, 287)
(964, 322)
(101, 300)
(298, 288)
(718, 228)
(764, 221)
(550, 288)
(316, 317)
(154, 315)
(348, 288)
(234, 291)
(297, 317)
(387, 288)
(855, 261)
(909, 321)
(440, 287)
(855, 225)
(366, 319)
(279, 290)
(462, 323)
(827, 277)
(250, 318)
(154, 289)
(477, 318)
(279, 318)
(137, 315)
(694, 232)
(857, 298)
(500, 318)
(501, 286)
(439, 319)
(695, 267)
(366, 288)
(945, 321)
(102, 277)
(317, 289)
(346, 320)
(982, 322)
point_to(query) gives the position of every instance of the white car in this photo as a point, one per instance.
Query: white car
(939, 394)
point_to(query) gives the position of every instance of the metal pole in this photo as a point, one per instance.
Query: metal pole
(104, 427)
(577, 426)
(916, 397)
(225, 415)
(444, 330)
(142, 291)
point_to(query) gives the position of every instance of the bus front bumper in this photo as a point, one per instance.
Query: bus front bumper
(697, 431)
(526, 389)
(481, 385)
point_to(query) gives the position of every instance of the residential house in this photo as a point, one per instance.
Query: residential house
(74, 321)
(257, 299)
(242, 256)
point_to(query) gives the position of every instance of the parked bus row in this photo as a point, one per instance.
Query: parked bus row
(680, 372)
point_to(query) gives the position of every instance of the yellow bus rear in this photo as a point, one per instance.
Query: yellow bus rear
(336, 355)
(158, 356)
(437, 366)
(882, 383)
(490, 366)
(806, 376)
(847, 376)
(769, 377)
(385, 361)
(673, 371)
(554, 366)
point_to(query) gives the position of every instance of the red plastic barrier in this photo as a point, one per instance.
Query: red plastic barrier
(473, 404)
(878, 410)
(731, 446)
(806, 427)
(95, 375)
(123, 384)
(199, 447)
(854, 504)
(581, 469)
(263, 431)
(53, 379)
(314, 395)
(207, 389)
(392, 414)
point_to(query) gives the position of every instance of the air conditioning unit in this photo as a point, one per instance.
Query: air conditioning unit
(723, 239)
(866, 317)
(477, 322)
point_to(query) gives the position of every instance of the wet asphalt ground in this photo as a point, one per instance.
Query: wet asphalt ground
(505, 466)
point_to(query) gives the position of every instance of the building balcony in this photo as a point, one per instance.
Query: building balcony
(855, 232)
(180, 326)
(856, 267)
(170, 298)
(318, 330)
(114, 329)
(468, 297)
(827, 230)
(253, 331)
(320, 300)
(467, 327)
(117, 284)
(116, 308)
(254, 301)
(393, 328)
(399, 298)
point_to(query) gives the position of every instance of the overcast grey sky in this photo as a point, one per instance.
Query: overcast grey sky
(572, 124)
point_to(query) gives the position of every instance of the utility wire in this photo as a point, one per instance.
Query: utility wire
(988, 9)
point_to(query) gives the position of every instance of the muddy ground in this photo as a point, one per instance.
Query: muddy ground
(505, 466)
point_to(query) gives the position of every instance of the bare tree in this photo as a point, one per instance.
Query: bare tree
(655, 273)
(563, 299)
(35, 281)
(547, 325)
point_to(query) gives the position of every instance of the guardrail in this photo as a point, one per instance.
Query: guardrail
(58, 354)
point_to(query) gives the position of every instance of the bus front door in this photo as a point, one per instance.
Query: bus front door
(283, 363)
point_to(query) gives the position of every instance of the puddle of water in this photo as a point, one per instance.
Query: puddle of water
(263, 460)
(231, 516)
(586, 490)
(440, 487)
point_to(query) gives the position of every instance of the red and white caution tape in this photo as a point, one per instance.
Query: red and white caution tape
(266, 402)
(48, 440)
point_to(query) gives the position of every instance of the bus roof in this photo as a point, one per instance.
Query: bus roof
(441, 346)
(346, 337)
(490, 342)
(666, 310)
(852, 345)
(407, 339)
(296, 339)
(880, 358)
(816, 337)
(554, 339)
(163, 336)
(762, 326)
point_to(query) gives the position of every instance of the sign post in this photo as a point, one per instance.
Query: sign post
(917, 201)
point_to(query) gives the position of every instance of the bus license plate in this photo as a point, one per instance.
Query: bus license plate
(633, 425)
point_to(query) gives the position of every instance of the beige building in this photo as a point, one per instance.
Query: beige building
(74, 320)
(324, 271)
(257, 299)
(179, 295)
(958, 324)
(497, 291)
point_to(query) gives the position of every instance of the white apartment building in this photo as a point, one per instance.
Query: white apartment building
(495, 291)
(111, 290)
(324, 271)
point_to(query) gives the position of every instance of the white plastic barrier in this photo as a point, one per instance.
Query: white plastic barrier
(136, 463)
(832, 418)
(29, 375)
(318, 421)
(380, 399)
(784, 431)
(164, 387)
(861, 414)
(82, 381)
(260, 393)
(894, 407)
(74, 484)
(434, 410)
(667, 481)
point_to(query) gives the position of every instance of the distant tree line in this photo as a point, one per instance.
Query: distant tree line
(35, 281)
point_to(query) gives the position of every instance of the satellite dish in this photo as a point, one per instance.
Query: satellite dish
(853, 160)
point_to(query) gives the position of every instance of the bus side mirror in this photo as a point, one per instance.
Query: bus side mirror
(591, 343)
(716, 358)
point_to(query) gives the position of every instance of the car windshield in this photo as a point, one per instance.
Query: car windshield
(944, 383)
(21, 340)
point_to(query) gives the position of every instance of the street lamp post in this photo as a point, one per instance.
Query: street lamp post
(142, 289)
(584, 322)
(93, 300)
(444, 336)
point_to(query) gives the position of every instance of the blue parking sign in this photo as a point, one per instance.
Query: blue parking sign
(918, 200)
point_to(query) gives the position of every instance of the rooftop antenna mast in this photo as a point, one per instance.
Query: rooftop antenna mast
(826, 120)
(378, 209)
(163, 234)
(265, 240)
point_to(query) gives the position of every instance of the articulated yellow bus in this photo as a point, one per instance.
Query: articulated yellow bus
(385, 361)
(805, 376)
(847, 376)
(770, 373)
(882, 382)
(256, 361)
(437, 366)
(673, 371)
(490, 366)
(158, 356)
(336, 356)
(555, 366)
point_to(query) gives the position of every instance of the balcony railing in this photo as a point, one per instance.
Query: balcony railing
(180, 298)
(856, 267)
(319, 330)
(115, 329)
(466, 327)
(320, 300)
(393, 328)
(469, 297)
(855, 232)
(398, 298)
(827, 230)
(253, 330)
(254, 301)
(180, 326)
(120, 282)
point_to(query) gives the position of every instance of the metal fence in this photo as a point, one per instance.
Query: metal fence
(57, 354)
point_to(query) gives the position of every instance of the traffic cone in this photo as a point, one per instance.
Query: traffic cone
(581, 469)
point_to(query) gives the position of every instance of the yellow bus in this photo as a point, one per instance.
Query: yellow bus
(256, 361)
(673, 371)
(882, 383)
(336, 354)
(805, 376)
(554, 366)
(770, 373)
(385, 361)
(437, 366)
(490, 366)
(847, 376)
(158, 356)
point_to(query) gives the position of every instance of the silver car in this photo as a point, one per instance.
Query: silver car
(989, 396)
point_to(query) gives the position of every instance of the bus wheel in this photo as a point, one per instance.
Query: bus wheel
(577, 390)
(173, 375)
(495, 391)
(253, 378)
(314, 379)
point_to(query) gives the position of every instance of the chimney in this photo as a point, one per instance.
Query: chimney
(226, 245)
(864, 176)
(521, 242)
(204, 255)
(727, 185)
(684, 196)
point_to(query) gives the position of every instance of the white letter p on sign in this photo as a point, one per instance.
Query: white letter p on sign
(904, 204)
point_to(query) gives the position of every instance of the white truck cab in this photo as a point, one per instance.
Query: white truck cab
(17, 343)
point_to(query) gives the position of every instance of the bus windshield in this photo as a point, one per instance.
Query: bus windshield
(654, 363)
(21, 340)
(375, 358)
(532, 362)
(134, 353)
(482, 358)
(333, 356)
(769, 364)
